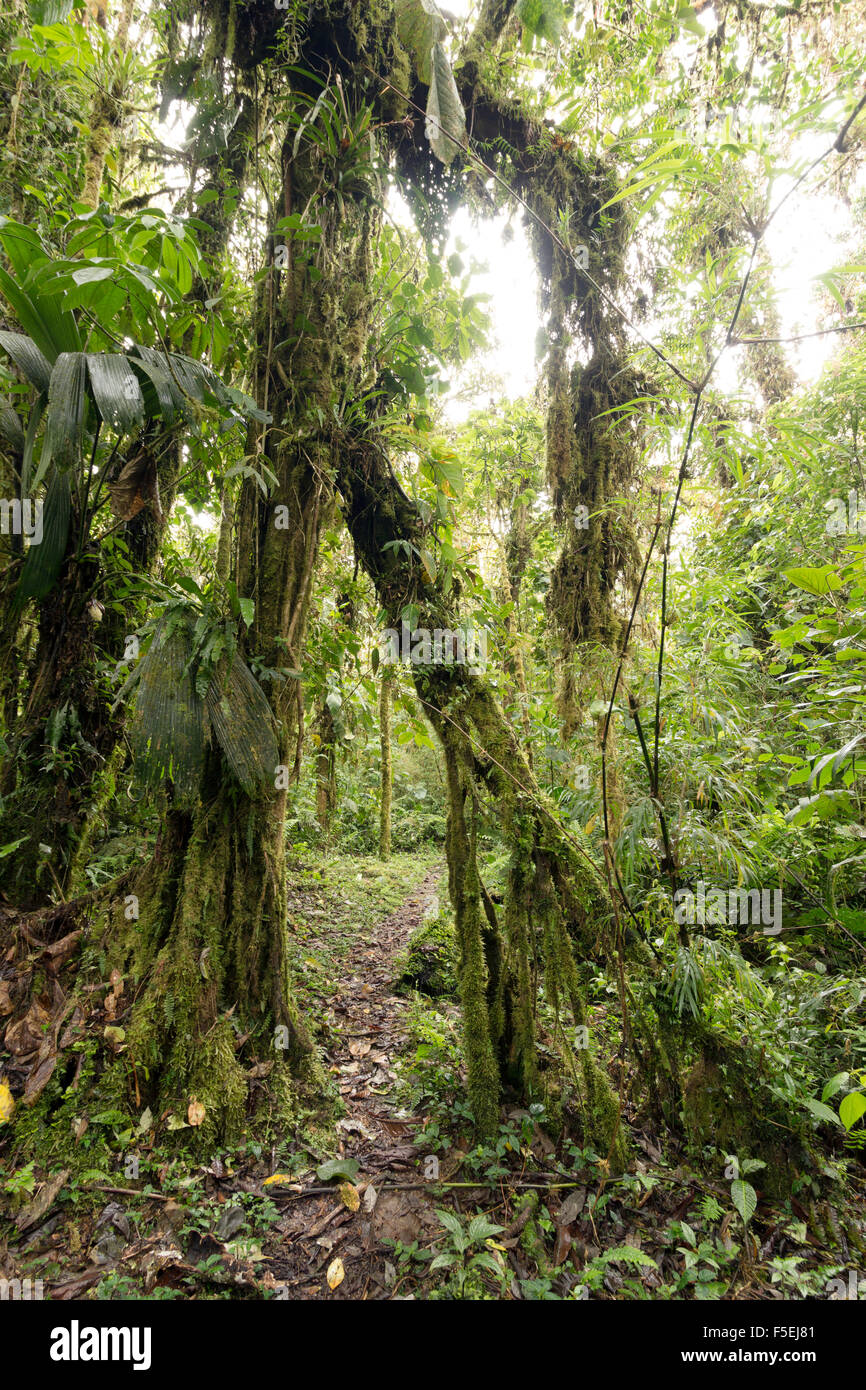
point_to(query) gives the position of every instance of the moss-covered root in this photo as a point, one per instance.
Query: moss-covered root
(603, 1124)
(602, 1108)
(525, 1224)
(428, 963)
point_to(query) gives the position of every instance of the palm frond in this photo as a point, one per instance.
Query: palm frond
(167, 734)
(11, 428)
(244, 725)
(26, 355)
(44, 561)
(116, 390)
(65, 421)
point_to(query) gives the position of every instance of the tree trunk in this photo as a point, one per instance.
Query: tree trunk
(386, 773)
(56, 795)
(106, 115)
(213, 898)
(61, 768)
(326, 769)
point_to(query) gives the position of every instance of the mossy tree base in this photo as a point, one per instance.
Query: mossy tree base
(207, 961)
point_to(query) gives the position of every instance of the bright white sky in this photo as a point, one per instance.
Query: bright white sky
(512, 284)
(811, 236)
(807, 239)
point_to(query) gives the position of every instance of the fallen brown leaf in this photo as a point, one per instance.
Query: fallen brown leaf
(42, 1202)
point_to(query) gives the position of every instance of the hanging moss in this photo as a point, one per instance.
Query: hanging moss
(579, 248)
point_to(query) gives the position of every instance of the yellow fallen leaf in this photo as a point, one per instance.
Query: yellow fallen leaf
(350, 1196)
(7, 1104)
(336, 1273)
(196, 1112)
(276, 1177)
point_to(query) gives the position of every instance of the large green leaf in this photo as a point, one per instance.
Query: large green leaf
(243, 723)
(26, 355)
(153, 367)
(822, 1112)
(852, 1108)
(420, 26)
(66, 398)
(43, 562)
(815, 579)
(345, 1168)
(170, 725)
(26, 314)
(542, 18)
(49, 11)
(116, 390)
(167, 734)
(446, 119)
(744, 1198)
(198, 381)
(28, 290)
(187, 382)
(30, 443)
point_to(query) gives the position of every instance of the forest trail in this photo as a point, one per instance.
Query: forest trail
(366, 1021)
(349, 1208)
(366, 1016)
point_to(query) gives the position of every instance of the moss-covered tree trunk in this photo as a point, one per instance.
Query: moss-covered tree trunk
(107, 113)
(212, 933)
(11, 553)
(60, 766)
(63, 757)
(518, 548)
(326, 768)
(386, 775)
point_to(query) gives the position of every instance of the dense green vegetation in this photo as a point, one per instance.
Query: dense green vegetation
(436, 798)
